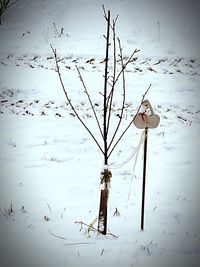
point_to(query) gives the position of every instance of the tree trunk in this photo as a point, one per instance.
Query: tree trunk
(106, 175)
(105, 108)
(102, 224)
(105, 181)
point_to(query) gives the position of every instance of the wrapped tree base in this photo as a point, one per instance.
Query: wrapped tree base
(102, 220)
(102, 223)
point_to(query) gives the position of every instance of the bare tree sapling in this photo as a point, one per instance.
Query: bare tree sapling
(108, 136)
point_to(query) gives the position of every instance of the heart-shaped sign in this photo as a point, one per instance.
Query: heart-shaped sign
(146, 119)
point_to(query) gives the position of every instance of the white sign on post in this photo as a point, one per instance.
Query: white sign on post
(144, 120)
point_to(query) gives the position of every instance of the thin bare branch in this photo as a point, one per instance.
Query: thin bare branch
(69, 100)
(4, 214)
(125, 64)
(105, 108)
(113, 27)
(90, 101)
(104, 11)
(11, 4)
(49, 207)
(124, 95)
(110, 97)
(129, 123)
(5, 4)
(124, 67)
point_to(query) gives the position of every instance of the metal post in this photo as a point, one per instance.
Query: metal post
(144, 179)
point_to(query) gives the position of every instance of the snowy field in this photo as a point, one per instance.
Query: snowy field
(49, 166)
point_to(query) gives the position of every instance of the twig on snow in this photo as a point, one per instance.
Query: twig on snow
(93, 228)
(57, 236)
(79, 243)
(3, 213)
(49, 207)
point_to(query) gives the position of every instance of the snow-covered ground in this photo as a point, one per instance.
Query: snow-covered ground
(50, 167)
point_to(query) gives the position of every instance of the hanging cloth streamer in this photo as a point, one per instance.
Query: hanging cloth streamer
(139, 146)
(135, 152)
